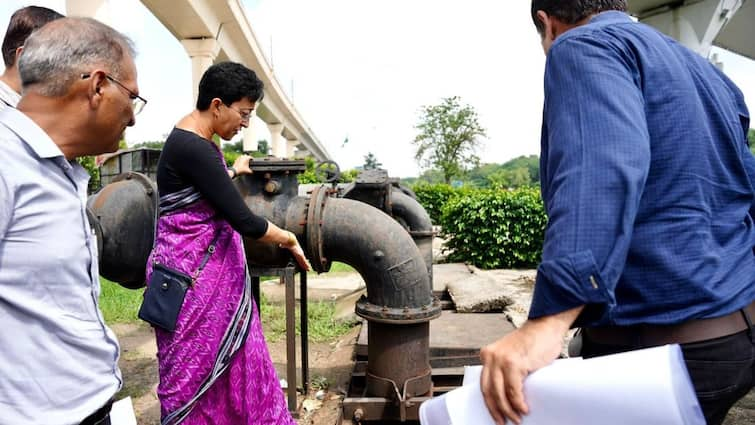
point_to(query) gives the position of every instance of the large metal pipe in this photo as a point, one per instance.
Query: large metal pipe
(399, 302)
(407, 210)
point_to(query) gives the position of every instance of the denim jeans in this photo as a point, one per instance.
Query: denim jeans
(722, 369)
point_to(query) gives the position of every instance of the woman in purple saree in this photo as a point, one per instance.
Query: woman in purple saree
(215, 367)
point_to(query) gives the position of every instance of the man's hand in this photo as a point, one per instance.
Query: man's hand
(506, 362)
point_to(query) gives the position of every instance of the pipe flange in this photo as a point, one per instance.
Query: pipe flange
(398, 316)
(314, 229)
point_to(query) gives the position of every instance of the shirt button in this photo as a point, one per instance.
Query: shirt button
(593, 282)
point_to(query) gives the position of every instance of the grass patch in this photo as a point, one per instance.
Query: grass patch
(335, 268)
(322, 323)
(118, 304)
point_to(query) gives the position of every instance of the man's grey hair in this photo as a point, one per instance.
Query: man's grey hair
(56, 55)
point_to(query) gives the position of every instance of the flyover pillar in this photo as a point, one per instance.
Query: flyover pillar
(202, 52)
(695, 25)
(291, 148)
(249, 134)
(277, 142)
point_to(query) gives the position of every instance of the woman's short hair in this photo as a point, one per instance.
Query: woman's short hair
(229, 82)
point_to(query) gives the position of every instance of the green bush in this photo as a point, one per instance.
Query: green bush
(88, 162)
(495, 228)
(433, 197)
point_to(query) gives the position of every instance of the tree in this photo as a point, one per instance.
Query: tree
(448, 138)
(751, 138)
(509, 178)
(263, 147)
(153, 144)
(371, 162)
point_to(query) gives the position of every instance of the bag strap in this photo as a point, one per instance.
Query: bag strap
(206, 258)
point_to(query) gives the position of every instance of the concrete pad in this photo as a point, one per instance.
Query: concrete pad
(345, 305)
(479, 293)
(319, 288)
(519, 285)
(443, 274)
(451, 335)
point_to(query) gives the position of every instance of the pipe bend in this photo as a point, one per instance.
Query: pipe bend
(380, 250)
(410, 211)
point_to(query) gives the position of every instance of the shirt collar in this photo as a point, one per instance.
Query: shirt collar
(28, 131)
(610, 17)
(8, 96)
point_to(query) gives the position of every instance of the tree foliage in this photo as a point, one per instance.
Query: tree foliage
(448, 138)
(523, 171)
(371, 162)
(152, 144)
(309, 176)
(751, 138)
(90, 164)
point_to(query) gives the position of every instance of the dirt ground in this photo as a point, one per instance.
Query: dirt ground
(330, 364)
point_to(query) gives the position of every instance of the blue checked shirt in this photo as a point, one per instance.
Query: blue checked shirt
(647, 181)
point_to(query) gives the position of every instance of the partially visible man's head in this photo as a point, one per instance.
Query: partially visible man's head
(85, 65)
(57, 55)
(572, 11)
(22, 23)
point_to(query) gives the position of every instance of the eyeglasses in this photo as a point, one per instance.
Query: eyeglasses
(245, 115)
(137, 102)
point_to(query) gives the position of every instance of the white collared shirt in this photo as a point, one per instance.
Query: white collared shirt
(58, 359)
(8, 96)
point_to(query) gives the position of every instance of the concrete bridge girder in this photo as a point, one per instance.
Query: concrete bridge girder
(217, 30)
(700, 24)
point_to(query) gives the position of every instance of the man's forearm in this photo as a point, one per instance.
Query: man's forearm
(559, 322)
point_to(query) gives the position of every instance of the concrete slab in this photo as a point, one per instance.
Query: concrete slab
(479, 293)
(443, 274)
(319, 288)
(519, 285)
(451, 334)
(332, 286)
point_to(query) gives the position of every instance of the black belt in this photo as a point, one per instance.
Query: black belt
(682, 333)
(99, 416)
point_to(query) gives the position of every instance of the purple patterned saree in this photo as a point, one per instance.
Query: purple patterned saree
(215, 368)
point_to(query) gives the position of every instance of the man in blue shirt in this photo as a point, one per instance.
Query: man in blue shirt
(648, 182)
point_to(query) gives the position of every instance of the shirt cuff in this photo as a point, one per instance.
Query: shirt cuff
(569, 282)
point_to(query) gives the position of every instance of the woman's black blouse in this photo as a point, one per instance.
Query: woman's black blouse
(187, 160)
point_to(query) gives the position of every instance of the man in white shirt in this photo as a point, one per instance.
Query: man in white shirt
(22, 23)
(58, 359)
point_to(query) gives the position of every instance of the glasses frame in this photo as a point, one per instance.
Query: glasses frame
(137, 102)
(245, 116)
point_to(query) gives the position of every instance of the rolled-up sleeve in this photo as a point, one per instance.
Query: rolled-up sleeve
(596, 159)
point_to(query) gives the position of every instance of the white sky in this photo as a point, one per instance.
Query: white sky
(363, 70)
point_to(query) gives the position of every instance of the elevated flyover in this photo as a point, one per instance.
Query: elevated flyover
(701, 24)
(218, 30)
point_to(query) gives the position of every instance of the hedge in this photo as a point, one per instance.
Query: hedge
(433, 197)
(494, 228)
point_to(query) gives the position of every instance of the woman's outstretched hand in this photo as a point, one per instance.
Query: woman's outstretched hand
(242, 166)
(293, 245)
